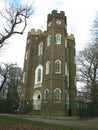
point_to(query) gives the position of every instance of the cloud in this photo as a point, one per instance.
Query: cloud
(80, 15)
(2, 3)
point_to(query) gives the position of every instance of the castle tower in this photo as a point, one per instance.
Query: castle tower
(49, 68)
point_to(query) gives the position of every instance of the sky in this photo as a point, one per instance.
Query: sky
(80, 16)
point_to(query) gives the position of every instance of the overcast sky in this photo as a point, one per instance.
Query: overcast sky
(80, 15)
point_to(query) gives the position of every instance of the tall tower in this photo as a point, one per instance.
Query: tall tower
(49, 68)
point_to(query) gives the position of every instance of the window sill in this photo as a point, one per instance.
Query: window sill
(38, 85)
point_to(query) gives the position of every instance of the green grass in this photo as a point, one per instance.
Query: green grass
(4, 119)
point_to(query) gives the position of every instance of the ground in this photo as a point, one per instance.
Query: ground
(20, 126)
(73, 122)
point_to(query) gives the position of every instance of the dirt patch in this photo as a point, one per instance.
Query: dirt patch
(20, 126)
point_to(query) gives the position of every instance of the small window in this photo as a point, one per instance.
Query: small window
(46, 95)
(24, 77)
(57, 66)
(58, 38)
(47, 67)
(57, 95)
(65, 42)
(28, 40)
(65, 68)
(49, 40)
(40, 49)
(26, 55)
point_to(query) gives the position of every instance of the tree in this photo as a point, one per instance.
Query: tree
(87, 70)
(4, 74)
(14, 88)
(14, 81)
(15, 17)
(11, 83)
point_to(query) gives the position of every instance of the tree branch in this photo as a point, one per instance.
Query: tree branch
(15, 17)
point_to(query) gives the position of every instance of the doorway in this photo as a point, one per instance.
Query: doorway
(37, 100)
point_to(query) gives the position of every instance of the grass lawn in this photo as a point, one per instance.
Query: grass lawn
(10, 123)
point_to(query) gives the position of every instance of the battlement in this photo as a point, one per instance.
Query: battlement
(71, 37)
(34, 32)
(55, 13)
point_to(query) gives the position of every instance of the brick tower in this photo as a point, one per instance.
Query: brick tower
(49, 68)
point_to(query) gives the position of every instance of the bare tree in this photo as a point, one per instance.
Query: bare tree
(15, 17)
(87, 70)
(10, 88)
(87, 67)
(4, 75)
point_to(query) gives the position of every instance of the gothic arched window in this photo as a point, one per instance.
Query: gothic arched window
(58, 38)
(38, 74)
(49, 40)
(47, 67)
(57, 66)
(40, 48)
(46, 95)
(57, 95)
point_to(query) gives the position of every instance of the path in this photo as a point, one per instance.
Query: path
(91, 124)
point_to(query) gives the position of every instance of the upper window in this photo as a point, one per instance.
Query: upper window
(65, 42)
(40, 48)
(24, 77)
(57, 95)
(49, 40)
(58, 38)
(57, 66)
(38, 74)
(28, 40)
(26, 55)
(47, 67)
(65, 68)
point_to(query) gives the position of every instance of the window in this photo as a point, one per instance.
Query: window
(40, 49)
(26, 55)
(49, 40)
(65, 42)
(47, 67)
(57, 95)
(38, 74)
(65, 68)
(28, 40)
(57, 66)
(46, 94)
(24, 77)
(58, 38)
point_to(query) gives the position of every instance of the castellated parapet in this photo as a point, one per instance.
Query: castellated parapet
(56, 14)
(71, 37)
(34, 32)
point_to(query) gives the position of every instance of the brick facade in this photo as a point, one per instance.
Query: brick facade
(50, 87)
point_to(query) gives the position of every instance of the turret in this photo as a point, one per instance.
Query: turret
(56, 19)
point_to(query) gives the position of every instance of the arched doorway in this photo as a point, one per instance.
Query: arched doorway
(37, 100)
